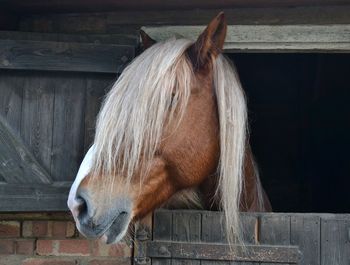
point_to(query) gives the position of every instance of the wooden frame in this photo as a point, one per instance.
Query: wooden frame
(64, 56)
(269, 38)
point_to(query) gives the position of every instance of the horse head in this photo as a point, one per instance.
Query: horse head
(174, 120)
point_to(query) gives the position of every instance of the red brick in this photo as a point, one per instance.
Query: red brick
(7, 246)
(59, 229)
(25, 247)
(45, 247)
(75, 247)
(9, 229)
(71, 230)
(35, 229)
(34, 261)
(114, 250)
(39, 228)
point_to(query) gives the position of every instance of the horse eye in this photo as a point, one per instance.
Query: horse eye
(172, 99)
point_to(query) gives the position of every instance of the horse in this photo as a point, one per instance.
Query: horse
(171, 132)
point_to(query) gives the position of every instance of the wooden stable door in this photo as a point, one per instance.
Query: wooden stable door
(198, 237)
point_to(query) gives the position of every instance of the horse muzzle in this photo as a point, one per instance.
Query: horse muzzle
(109, 220)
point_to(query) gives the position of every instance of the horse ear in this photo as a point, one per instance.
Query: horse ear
(210, 43)
(146, 40)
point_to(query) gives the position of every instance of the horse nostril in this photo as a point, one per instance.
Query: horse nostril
(83, 208)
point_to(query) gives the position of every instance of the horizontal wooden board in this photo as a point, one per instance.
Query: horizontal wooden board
(223, 252)
(64, 56)
(15, 198)
(115, 21)
(310, 38)
(115, 39)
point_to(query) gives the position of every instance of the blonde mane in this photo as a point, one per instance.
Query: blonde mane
(153, 91)
(145, 98)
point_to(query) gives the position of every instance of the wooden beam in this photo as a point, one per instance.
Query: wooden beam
(262, 38)
(16, 198)
(17, 164)
(223, 252)
(117, 21)
(64, 56)
(114, 39)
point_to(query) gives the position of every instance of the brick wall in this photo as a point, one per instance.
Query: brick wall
(52, 239)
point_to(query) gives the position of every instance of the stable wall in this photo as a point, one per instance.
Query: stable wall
(52, 239)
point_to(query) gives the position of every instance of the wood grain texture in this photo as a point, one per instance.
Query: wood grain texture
(213, 230)
(14, 197)
(17, 164)
(275, 229)
(115, 39)
(335, 235)
(162, 230)
(223, 252)
(37, 116)
(312, 38)
(68, 127)
(11, 91)
(186, 228)
(97, 87)
(64, 56)
(305, 233)
(112, 21)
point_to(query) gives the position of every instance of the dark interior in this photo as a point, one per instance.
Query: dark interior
(299, 115)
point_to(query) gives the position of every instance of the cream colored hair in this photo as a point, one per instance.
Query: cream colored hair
(152, 92)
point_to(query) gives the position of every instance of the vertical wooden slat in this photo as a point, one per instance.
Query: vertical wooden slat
(162, 230)
(68, 127)
(249, 224)
(11, 91)
(96, 87)
(335, 236)
(186, 228)
(305, 233)
(275, 230)
(213, 230)
(37, 115)
(213, 227)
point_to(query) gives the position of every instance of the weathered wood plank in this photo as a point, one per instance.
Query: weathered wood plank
(186, 228)
(111, 21)
(17, 164)
(275, 230)
(335, 247)
(14, 197)
(37, 116)
(219, 252)
(96, 89)
(305, 233)
(68, 127)
(162, 230)
(213, 230)
(64, 56)
(310, 38)
(115, 39)
(11, 91)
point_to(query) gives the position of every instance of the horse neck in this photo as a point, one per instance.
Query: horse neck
(253, 198)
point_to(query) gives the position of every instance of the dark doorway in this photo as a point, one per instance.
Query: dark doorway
(299, 114)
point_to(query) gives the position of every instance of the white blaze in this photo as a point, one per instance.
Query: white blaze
(82, 173)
